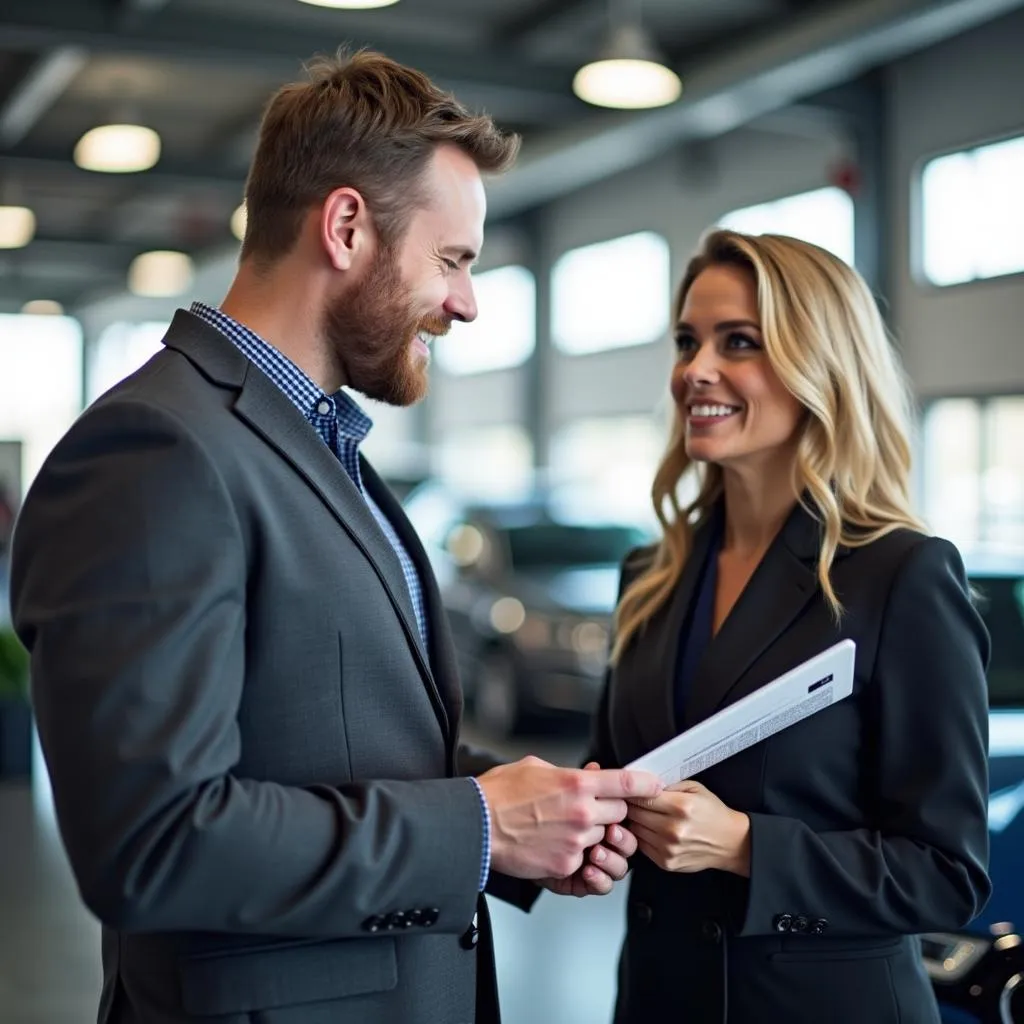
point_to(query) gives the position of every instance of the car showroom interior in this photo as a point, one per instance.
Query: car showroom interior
(887, 134)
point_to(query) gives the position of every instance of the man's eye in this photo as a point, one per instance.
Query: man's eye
(451, 264)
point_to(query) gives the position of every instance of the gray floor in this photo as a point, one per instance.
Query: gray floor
(555, 964)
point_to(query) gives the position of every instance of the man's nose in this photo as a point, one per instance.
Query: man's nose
(461, 301)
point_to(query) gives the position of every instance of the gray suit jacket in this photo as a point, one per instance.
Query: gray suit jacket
(252, 755)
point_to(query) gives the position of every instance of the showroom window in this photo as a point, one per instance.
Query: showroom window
(972, 214)
(118, 352)
(40, 384)
(823, 217)
(613, 294)
(505, 330)
(485, 463)
(973, 473)
(608, 463)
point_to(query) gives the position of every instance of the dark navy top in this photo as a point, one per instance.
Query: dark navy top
(698, 626)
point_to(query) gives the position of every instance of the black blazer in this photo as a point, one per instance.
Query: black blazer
(868, 820)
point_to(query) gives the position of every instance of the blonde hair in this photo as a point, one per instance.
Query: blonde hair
(826, 340)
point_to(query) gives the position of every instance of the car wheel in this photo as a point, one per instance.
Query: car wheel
(496, 702)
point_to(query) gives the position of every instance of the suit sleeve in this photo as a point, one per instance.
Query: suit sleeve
(922, 865)
(129, 589)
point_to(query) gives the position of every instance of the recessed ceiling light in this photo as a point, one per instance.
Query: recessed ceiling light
(629, 74)
(118, 149)
(160, 274)
(42, 307)
(17, 226)
(350, 5)
(239, 219)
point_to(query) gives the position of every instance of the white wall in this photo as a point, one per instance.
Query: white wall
(967, 338)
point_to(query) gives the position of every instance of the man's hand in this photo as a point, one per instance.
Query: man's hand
(543, 818)
(604, 866)
(687, 828)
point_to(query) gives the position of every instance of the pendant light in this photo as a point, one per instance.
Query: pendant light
(350, 5)
(628, 73)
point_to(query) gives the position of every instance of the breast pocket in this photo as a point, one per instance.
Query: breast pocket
(286, 974)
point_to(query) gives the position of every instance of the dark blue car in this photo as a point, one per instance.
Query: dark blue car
(979, 976)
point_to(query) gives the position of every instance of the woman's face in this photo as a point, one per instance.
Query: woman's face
(735, 408)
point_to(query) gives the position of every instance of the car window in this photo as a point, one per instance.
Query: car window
(1000, 600)
(558, 545)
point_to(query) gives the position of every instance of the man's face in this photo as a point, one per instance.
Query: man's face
(382, 326)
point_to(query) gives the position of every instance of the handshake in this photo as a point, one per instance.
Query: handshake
(561, 826)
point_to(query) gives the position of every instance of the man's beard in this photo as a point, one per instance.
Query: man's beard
(371, 330)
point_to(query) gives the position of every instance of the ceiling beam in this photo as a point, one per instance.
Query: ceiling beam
(278, 49)
(521, 26)
(38, 90)
(95, 254)
(165, 177)
(811, 53)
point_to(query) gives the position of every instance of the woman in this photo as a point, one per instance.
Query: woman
(787, 883)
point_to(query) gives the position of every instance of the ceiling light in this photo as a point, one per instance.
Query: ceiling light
(118, 149)
(239, 220)
(17, 226)
(629, 74)
(350, 5)
(42, 307)
(160, 274)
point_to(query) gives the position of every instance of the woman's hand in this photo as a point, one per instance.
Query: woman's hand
(687, 828)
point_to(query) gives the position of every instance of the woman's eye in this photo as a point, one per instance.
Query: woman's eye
(741, 341)
(685, 344)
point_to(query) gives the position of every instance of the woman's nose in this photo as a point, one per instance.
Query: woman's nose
(702, 368)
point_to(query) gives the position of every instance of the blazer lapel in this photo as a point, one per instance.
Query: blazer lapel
(653, 660)
(267, 411)
(443, 660)
(779, 590)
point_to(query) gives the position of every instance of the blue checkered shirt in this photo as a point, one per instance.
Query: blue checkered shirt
(342, 426)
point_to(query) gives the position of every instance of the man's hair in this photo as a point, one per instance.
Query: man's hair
(362, 121)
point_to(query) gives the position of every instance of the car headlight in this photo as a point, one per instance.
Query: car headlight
(981, 974)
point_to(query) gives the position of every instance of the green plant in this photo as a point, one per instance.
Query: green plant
(13, 667)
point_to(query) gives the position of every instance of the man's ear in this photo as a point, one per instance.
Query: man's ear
(344, 227)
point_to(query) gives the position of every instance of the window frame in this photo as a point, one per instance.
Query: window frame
(916, 225)
(656, 337)
(924, 406)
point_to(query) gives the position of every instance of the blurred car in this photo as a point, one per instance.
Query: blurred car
(529, 588)
(978, 975)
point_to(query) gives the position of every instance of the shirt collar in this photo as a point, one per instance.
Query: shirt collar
(353, 423)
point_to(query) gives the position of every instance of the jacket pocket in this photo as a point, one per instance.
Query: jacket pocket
(818, 951)
(288, 974)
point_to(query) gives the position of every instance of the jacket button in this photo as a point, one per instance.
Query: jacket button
(374, 924)
(711, 932)
(800, 924)
(819, 926)
(641, 913)
(782, 922)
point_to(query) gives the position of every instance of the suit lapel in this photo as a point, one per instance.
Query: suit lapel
(267, 411)
(442, 655)
(653, 661)
(779, 590)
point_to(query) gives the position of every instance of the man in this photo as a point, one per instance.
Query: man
(244, 683)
